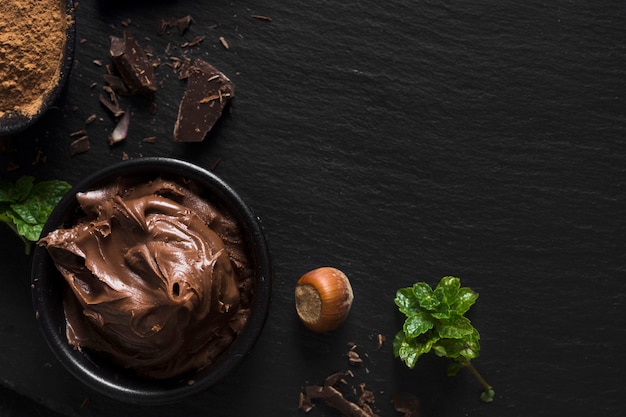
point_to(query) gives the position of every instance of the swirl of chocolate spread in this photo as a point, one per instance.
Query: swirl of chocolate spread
(159, 278)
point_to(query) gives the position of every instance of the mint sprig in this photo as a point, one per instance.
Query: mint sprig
(25, 205)
(435, 320)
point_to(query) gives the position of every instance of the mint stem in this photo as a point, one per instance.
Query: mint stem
(488, 388)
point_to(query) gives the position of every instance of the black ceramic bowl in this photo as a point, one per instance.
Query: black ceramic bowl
(12, 123)
(48, 286)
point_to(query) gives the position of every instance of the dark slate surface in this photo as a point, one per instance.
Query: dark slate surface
(398, 141)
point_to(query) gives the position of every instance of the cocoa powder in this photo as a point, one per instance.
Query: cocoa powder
(32, 42)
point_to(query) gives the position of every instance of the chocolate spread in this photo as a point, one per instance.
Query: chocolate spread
(159, 278)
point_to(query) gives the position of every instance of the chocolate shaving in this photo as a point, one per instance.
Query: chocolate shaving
(182, 24)
(80, 145)
(115, 110)
(194, 42)
(132, 63)
(354, 358)
(207, 94)
(304, 403)
(407, 404)
(117, 84)
(333, 398)
(260, 17)
(78, 133)
(381, 340)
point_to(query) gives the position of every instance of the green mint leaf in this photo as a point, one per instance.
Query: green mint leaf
(466, 298)
(455, 327)
(25, 206)
(454, 368)
(397, 342)
(448, 287)
(425, 296)
(435, 321)
(406, 301)
(30, 232)
(409, 350)
(417, 324)
(49, 193)
(15, 192)
(457, 348)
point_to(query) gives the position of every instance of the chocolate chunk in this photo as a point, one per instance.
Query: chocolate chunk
(132, 63)
(80, 145)
(207, 94)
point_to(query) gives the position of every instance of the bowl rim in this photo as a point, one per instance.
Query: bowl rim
(125, 386)
(13, 123)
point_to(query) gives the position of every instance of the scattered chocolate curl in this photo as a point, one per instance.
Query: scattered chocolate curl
(121, 129)
(335, 399)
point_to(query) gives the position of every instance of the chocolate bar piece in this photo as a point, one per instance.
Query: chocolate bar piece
(207, 94)
(132, 63)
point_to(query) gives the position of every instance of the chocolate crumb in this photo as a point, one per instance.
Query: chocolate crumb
(39, 157)
(151, 139)
(90, 119)
(354, 358)
(333, 398)
(407, 404)
(196, 40)
(260, 17)
(224, 42)
(381, 340)
(182, 24)
(78, 133)
(12, 166)
(80, 145)
(7, 145)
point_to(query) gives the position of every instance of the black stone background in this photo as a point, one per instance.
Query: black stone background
(399, 141)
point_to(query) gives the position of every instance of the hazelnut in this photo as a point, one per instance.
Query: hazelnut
(323, 299)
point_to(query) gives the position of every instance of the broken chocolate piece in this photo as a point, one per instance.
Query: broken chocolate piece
(207, 94)
(133, 65)
(117, 84)
(304, 403)
(80, 145)
(182, 24)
